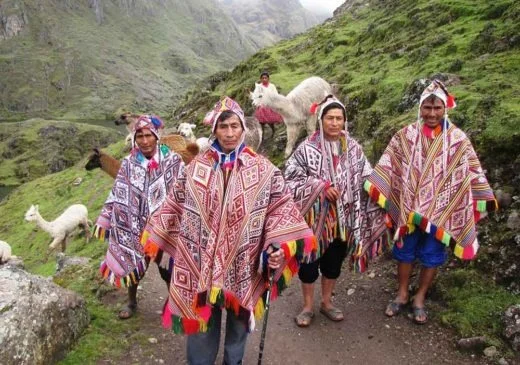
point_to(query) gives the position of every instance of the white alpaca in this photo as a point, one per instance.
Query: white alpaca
(186, 130)
(5, 252)
(62, 227)
(294, 108)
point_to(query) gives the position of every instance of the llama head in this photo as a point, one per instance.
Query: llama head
(94, 160)
(259, 94)
(186, 130)
(32, 213)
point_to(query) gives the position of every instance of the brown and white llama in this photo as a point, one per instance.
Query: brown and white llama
(111, 165)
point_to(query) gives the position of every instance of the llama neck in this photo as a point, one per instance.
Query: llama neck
(110, 165)
(278, 103)
(43, 224)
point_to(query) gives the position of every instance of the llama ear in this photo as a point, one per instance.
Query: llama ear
(193, 126)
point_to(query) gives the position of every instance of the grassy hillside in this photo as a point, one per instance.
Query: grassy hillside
(85, 59)
(37, 147)
(54, 193)
(377, 53)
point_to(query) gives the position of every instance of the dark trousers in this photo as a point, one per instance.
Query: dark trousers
(329, 264)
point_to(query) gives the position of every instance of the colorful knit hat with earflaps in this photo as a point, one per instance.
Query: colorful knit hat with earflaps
(437, 88)
(223, 105)
(151, 122)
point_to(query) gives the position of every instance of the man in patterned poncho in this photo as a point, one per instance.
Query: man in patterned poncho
(430, 181)
(219, 224)
(143, 180)
(326, 174)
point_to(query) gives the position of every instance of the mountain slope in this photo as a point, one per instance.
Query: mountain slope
(268, 21)
(84, 59)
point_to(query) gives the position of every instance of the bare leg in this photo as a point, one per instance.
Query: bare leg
(403, 274)
(327, 287)
(129, 309)
(308, 297)
(425, 281)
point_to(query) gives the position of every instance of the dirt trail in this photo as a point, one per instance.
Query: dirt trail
(366, 336)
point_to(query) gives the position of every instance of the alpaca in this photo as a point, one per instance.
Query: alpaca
(62, 227)
(111, 165)
(294, 108)
(5, 252)
(186, 130)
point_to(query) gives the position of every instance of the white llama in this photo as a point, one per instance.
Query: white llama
(294, 108)
(5, 252)
(62, 227)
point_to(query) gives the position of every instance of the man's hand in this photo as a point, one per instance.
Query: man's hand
(332, 194)
(275, 258)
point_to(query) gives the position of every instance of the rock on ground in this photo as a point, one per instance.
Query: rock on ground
(39, 321)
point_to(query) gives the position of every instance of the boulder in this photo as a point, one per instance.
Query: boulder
(512, 326)
(39, 321)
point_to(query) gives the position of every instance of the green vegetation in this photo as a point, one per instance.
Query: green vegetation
(54, 193)
(38, 147)
(473, 304)
(131, 55)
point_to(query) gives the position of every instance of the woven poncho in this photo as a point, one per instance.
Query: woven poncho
(139, 189)
(307, 175)
(444, 203)
(217, 236)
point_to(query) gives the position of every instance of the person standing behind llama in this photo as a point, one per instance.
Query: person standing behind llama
(264, 114)
(141, 185)
(220, 223)
(430, 181)
(326, 173)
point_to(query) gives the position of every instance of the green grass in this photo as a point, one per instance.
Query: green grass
(106, 336)
(26, 153)
(475, 304)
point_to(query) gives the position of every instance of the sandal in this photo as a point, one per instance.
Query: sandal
(128, 311)
(333, 313)
(418, 313)
(395, 308)
(304, 319)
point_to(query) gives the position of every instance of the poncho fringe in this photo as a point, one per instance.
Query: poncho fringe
(424, 224)
(225, 299)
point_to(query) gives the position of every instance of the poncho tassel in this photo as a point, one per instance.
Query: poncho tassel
(151, 249)
(130, 279)
(376, 195)
(101, 233)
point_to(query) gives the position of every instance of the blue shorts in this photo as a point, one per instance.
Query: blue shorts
(422, 246)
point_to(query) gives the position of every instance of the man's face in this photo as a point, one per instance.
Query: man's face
(432, 112)
(228, 133)
(146, 141)
(333, 124)
(264, 79)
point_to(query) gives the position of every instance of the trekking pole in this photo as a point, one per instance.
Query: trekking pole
(275, 247)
